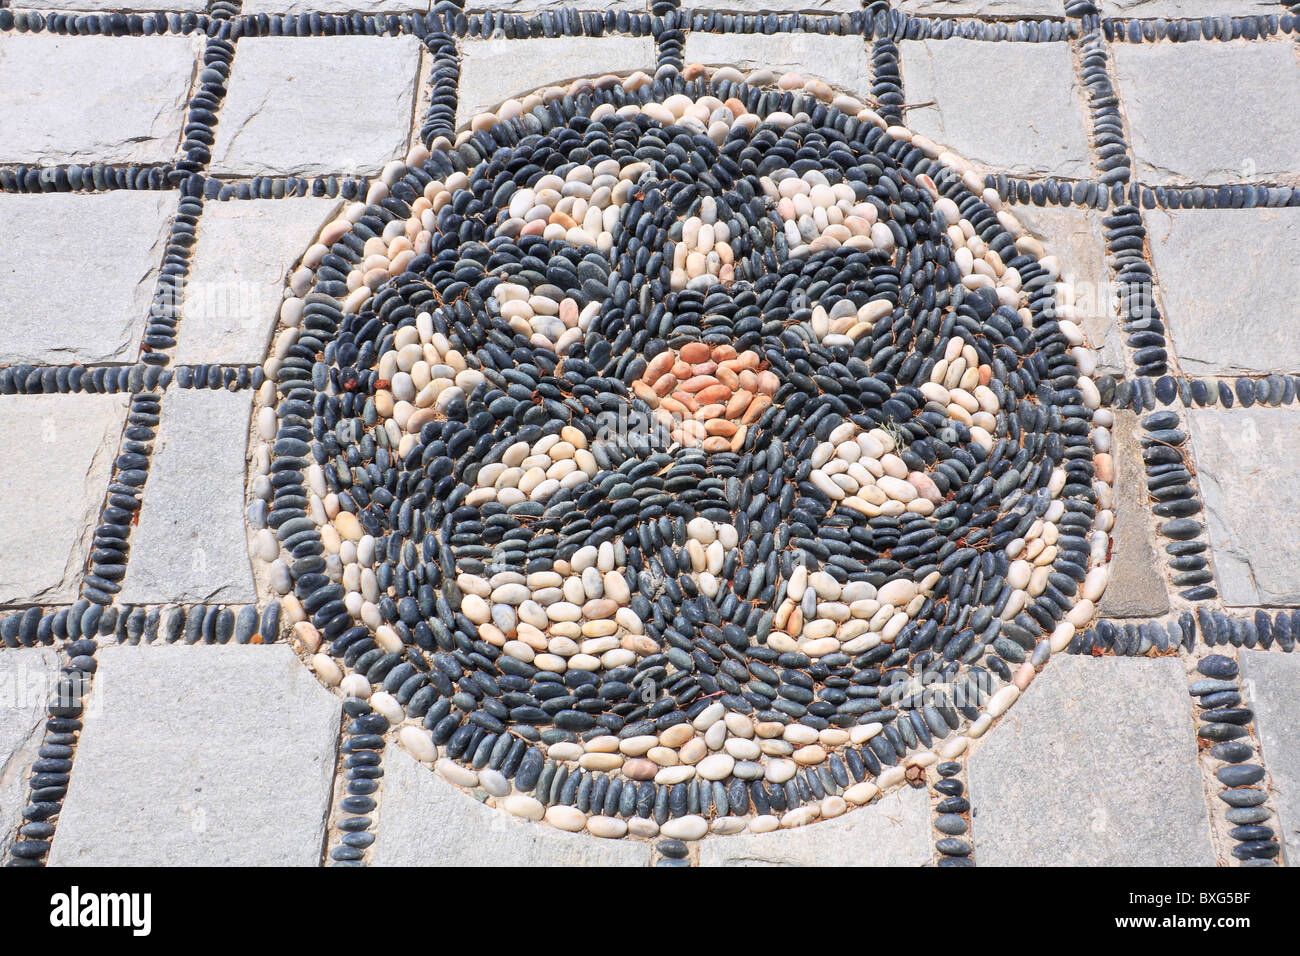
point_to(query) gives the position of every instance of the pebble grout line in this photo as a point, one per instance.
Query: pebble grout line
(1231, 764)
(357, 783)
(950, 814)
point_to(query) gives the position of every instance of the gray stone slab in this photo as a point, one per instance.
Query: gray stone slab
(1136, 587)
(313, 106)
(54, 487)
(243, 254)
(94, 99)
(112, 243)
(1272, 685)
(983, 8)
(425, 821)
(841, 61)
(536, 6)
(492, 71)
(894, 831)
(1250, 483)
(1034, 127)
(27, 676)
(1074, 236)
(1176, 141)
(1230, 309)
(1150, 9)
(180, 6)
(780, 6)
(201, 756)
(334, 6)
(190, 545)
(1095, 765)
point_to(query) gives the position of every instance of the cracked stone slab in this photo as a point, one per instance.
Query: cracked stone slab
(492, 71)
(425, 821)
(1095, 765)
(201, 756)
(780, 6)
(27, 676)
(190, 546)
(1035, 130)
(1272, 685)
(1250, 483)
(1173, 9)
(983, 8)
(1173, 139)
(1074, 236)
(96, 312)
(244, 251)
(94, 99)
(134, 6)
(1238, 315)
(317, 106)
(841, 61)
(893, 831)
(53, 490)
(1136, 587)
(537, 6)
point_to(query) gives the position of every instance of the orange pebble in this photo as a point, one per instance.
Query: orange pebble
(716, 443)
(756, 409)
(739, 402)
(720, 426)
(665, 384)
(722, 353)
(716, 392)
(694, 352)
(658, 365)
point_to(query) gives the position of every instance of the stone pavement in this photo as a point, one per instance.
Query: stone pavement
(163, 183)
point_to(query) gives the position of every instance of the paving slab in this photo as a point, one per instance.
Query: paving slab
(94, 99)
(1136, 587)
(492, 71)
(1095, 765)
(113, 244)
(1250, 482)
(1230, 309)
(1074, 236)
(1150, 9)
(893, 831)
(984, 8)
(316, 106)
(201, 756)
(1032, 128)
(334, 6)
(190, 546)
(244, 251)
(1176, 141)
(780, 6)
(54, 488)
(536, 6)
(1272, 685)
(841, 61)
(135, 6)
(27, 676)
(425, 821)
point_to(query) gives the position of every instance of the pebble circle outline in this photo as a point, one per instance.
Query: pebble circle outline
(292, 438)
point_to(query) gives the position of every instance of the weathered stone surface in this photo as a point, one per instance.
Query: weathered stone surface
(54, 487)
(783, 6)
(190, 545)
(842, 61)
(1074, 236)
(313, 106)
(1150, 9)
(1136, 587)
(98, 6)
(1272, 685)
(334, 6)
(1037, 131)
(243, 254)
(984, 8)
(1095, 765)
(26, 678)
(1255, 138)
(492, 71)
(201, 756)
(425, 821)
(534, 6)
(1250, 482)
(1228, 311)
(94, 99)
(96, 311)
(894, 831)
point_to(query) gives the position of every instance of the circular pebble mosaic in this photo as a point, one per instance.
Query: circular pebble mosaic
(681, 455)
